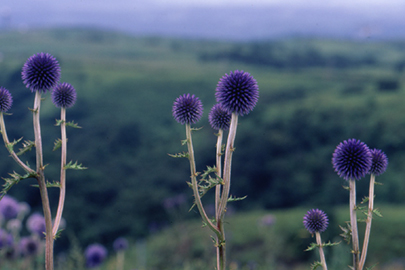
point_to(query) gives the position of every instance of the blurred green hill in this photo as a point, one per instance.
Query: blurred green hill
(313, 95)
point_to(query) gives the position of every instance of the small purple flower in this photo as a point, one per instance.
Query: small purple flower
(352, 159)
(120, 244)
(238, 92)
(6, 100)
(64, 95)
(219, 118)
(41, 72)
(316, 221)
(36, 224)
(95, 255)
(29, 246)
(6, 239)
(187, 109)
(380, 162)
(9, 207)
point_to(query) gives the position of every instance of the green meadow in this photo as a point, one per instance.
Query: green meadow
(314, 93)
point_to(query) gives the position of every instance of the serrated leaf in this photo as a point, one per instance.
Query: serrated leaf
(49, 184)
(378, 183)
(377, 212)
(27, 146)
(15, 178)
(10, 146)
(57, 144)
(58, 234)
(68, 124)
(196, 129)
(180, 155)
(312, 246)
(347, 232)
(316, 265)
(369, 268)
(184, 142)
(235, 199)
(365, 199)
(74, 166)
(346, 187)
(330, 244)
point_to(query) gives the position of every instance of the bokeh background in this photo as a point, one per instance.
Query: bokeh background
(327, 71)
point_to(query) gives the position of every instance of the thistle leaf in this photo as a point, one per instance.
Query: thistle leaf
(312, 246)
(15, 178)
(57, 144)
(180, 155)
(235, 199)
(184, 142)
(347, 232)
(68, 124)
(27, 146)
(196, 129)
(330, 244)
(316, 265)
(74, 166)
(10, 146)
(377, 212)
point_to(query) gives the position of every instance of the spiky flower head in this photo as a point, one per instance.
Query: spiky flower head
(41, 72)
(238, 92)
(9, 207)
(29, 246)
(95, 255)
(64, 95)
(6, 100)
(36, 224)
(352, 159)
(219, 118)
(187, 109)
(120, 244)
(316, 221)
(379, 163)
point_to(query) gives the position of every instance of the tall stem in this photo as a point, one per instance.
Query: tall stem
(62, 188)
(368, 222)
(197, 198)
(353, 223)
(42, 184)
(321, 254)
(221, 253)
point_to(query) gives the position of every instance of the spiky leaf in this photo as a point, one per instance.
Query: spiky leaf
(180, 155)
(235, 199)
(74, 166)
(27, 146)
(57, 144)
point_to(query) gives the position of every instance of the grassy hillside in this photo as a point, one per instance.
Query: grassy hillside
(313, 95)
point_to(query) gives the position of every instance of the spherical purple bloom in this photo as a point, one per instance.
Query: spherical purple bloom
(120, 244)
(316, 221)
(36, 224)
(64, 95)
(219, 118)
(379, 163)
(95, 255)
(238, 92)
(29, 246)
(6, 100)
(352, 159)
(9, 207)
(41, 72)
(187, 109)
(6, 239)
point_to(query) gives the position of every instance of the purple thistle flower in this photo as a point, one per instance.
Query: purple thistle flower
(29, 246)
(9, 207)
(41, 72)
(379, 162)
(352, 159)
(316, 221)
(219, 118)
(6, 100)
(6, 239)
(36, 224)
(95, 255)
(187, 109)
(237, 92)
(64, 95)
(120, 244)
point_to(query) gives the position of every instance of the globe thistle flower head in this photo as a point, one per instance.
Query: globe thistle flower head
(379, 162)
(6, 100)
(120, 244)
(95, 255)
(6, 239)
(315, 221)
(237, 92)
(9, 207)
(29, 246)
(352, 159)
(64, 95)
(219, 118)
(41, 72)
(187, 109)
(36, 224)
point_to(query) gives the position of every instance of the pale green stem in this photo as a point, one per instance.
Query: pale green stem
(42, 184)
(120, 259)
(321, 254)
(221, 254)
(368, 222)
(197, 198)
(353, 222)
(12, 153)
(62, 191)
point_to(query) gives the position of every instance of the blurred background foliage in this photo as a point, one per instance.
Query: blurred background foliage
(314, 93)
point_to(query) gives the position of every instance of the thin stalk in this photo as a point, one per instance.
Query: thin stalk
(197, 198)
(368, 222)
(12, 153)
(221, 253)
(42, 184)
(321, 254)
(353, 223)
(120, 259)
(62, 188)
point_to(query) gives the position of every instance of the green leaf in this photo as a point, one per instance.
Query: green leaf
(58, 234)
(347, 232)
(57, 144)
(196, 129)
(68, 124)
(184, 142)
(377, 212)
(316, 265)
(15, 178)
(10, 146)
(369, 268)
(27, 146)
(235, 199)
(74, 166)
(312, 246)
(330, 244)
(180, 155)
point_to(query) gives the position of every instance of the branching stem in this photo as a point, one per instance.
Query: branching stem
(353, 223)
